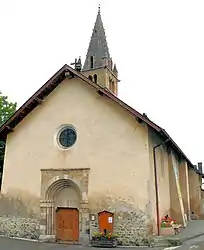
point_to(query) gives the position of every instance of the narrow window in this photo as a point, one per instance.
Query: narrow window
(90, 78)
(95, 78)
(110, 84)
(113, 87)
(92, 62)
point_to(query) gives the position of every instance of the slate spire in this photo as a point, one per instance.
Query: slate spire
(98, 47)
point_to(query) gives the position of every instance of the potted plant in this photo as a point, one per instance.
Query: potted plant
(104, 239)
(167, 225)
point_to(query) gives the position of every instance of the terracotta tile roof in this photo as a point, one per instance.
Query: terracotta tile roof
(37, 98)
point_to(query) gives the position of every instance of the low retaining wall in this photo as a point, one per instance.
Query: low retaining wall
(20, 227)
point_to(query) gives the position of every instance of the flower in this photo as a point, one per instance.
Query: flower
(99, 235)
(167, 221)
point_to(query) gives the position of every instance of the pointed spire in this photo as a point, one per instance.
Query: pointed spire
(115, 69)
(98, 47)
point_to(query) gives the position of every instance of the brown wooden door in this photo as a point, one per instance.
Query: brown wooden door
(105, 221)
(67, 224)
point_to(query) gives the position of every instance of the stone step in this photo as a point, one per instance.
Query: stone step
(68, 242)
(160, 241)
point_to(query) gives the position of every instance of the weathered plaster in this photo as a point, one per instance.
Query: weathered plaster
(110, 142)
(184, 184)
(132, 224)
(194, 191)
(19, 214)
(19, 203)
(162, 165)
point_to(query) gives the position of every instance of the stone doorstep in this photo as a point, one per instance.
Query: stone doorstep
(68, 242)
(160, 241)
(47, 238)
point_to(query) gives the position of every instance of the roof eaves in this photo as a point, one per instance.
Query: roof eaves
(106, 93)
(29, 101)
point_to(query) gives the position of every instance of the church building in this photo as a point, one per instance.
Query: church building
(80, 152)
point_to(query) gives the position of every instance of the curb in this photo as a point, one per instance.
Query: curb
(192, 237)
(18, 238)
(179, 241)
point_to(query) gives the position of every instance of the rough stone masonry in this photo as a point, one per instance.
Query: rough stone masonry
(19, 215)
(132, 225)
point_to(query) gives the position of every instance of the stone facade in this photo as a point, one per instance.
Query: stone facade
(28, 228)
(131, 228)
(132, 225)
(19, 215)
(53, 183)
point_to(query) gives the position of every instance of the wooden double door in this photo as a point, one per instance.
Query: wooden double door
(67, 224)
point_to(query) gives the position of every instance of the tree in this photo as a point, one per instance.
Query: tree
(6, 108)
(6, 111)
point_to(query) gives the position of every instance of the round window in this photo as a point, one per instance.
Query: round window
(67, 137)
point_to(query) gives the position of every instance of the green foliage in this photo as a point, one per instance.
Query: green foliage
(6, 108)
(6, 111)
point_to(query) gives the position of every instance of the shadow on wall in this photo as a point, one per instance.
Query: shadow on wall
(19, 203)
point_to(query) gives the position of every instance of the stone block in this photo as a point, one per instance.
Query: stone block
(166, 231)
(47, 238)
(20, 227)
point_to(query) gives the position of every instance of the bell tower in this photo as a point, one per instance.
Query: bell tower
(98, 66)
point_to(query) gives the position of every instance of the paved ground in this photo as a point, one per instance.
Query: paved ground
(194, 228)
(13, 244)
(196, 243)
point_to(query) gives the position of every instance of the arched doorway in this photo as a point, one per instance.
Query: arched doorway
(64, 192)
(63, 210)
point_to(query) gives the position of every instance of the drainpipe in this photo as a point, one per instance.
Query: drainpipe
(156, 184)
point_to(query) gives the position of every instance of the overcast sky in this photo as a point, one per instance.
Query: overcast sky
(158, 47)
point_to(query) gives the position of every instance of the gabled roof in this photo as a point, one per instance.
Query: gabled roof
(66, 71)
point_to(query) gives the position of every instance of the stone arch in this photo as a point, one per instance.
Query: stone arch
(59, 185)
(64, 193)
(55, 187)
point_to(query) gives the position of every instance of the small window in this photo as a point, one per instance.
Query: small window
(202, 186)
(90, 78)
(113, 87)
(95, 78)
(92, 62)
(66, 137)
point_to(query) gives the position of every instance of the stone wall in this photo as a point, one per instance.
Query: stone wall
(20, 227)
(19, 215)
(132, 225)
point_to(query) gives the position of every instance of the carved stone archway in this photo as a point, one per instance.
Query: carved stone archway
(53, 183)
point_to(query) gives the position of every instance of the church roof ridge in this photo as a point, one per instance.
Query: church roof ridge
(67, 71)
